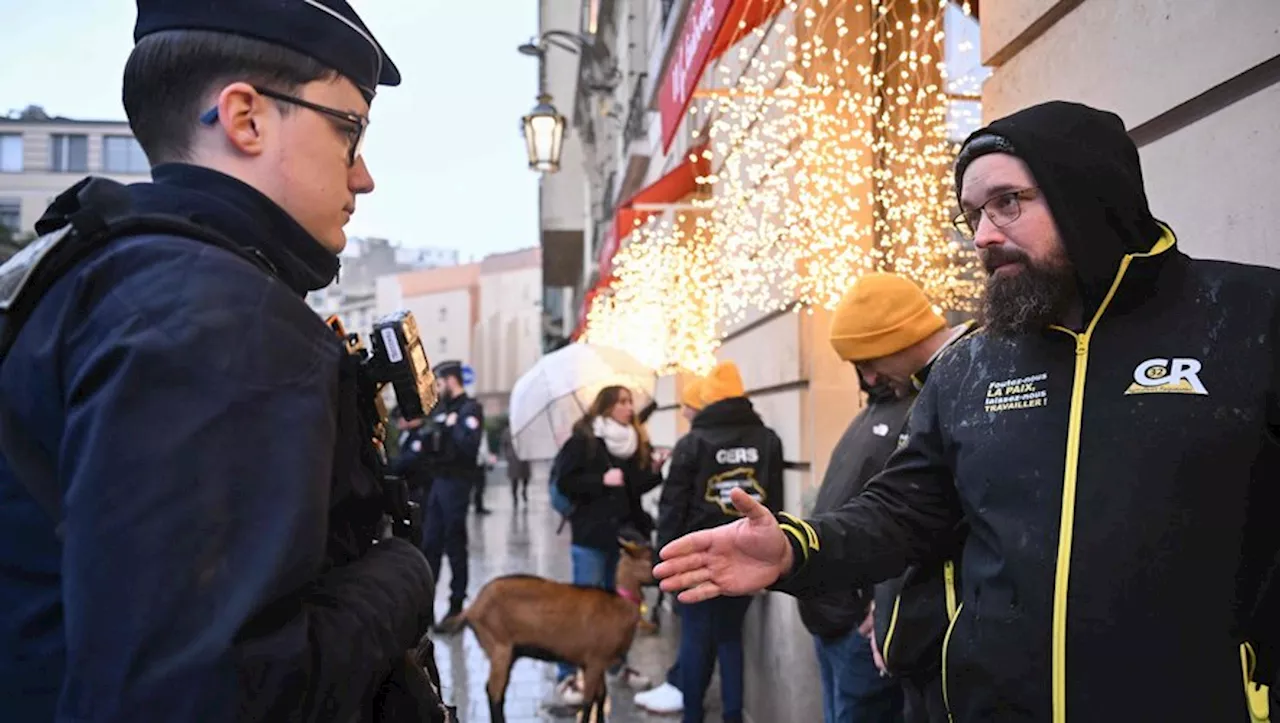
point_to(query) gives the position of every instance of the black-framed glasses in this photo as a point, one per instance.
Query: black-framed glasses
(353, 124)
(1002, 208)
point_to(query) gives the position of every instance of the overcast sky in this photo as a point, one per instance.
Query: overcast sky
(444, 146)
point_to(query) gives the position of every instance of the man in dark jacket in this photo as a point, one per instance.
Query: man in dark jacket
(1110, 437)
(190, 409)
(886, 327)
(727, 448)
(457, 423)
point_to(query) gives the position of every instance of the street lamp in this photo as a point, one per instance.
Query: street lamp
(544, 135)
(543, 127)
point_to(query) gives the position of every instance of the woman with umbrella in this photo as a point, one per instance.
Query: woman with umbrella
(604, 468)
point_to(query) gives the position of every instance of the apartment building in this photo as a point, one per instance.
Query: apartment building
(353, 294)
(42, 155)
(444, 302)
(507, 334)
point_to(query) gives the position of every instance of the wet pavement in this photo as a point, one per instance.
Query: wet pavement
(524, 540)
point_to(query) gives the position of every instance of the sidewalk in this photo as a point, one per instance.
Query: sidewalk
(525, 541)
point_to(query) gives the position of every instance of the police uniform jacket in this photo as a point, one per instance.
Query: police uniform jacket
(459, 421)
(727, 446)
(190, 403)
(1119, 480)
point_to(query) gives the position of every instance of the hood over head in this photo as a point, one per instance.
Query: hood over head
(1088, 171)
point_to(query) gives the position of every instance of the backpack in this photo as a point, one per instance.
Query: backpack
(560, 502)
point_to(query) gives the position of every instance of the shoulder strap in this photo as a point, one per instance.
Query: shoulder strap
(81, 220)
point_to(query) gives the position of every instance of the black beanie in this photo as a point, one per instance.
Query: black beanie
(1088, 170)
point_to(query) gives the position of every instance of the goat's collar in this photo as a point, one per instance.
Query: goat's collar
(631, 595)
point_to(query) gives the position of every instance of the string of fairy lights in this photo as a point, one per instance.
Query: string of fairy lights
(831, 156)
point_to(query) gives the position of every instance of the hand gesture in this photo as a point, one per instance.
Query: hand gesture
(613, 478)
(451, 420)
(660, 457)
(739, 558)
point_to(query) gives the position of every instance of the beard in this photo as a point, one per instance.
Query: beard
(1035, 296)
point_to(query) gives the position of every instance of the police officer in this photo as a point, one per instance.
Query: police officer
(416, 441)
(460, 420)
(208, 557)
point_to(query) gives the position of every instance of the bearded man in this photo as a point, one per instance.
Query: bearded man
(1109, 437)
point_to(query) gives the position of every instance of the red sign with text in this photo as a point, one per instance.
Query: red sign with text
(701, 26)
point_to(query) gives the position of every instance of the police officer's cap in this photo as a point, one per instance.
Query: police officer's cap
(450, 368)
(327, 30)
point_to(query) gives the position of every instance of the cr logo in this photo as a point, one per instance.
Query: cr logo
(1176, 376)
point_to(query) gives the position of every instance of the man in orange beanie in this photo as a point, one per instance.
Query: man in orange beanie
(728, 447)
(886, 327)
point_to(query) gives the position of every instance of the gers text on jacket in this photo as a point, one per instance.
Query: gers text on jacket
(727, 446)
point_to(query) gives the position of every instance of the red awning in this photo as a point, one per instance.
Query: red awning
(671, 188)
(744, 16)
(674, 187)
(709, 29)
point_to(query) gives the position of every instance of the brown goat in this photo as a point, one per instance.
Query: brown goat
(524, 616)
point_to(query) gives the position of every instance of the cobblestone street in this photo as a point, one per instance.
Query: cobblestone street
(524, 540)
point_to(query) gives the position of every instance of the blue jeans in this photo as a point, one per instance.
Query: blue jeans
(711, 630)
(591, 568)
(852, 689)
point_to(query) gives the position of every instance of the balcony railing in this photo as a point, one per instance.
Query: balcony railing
(637, 112)
(667, 5)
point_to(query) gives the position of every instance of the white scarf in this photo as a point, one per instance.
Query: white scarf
(620, 439)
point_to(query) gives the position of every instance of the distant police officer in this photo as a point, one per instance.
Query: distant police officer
(460, 421)
(417, 440)
(210, 557)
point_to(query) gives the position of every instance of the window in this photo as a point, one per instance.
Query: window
(69, 153)
(11, 153)
(122, 154)
(11, 214)
(965, 72)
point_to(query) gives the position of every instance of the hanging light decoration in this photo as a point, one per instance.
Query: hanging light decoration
(832, 156)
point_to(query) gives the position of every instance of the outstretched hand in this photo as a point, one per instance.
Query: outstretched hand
(739, 558)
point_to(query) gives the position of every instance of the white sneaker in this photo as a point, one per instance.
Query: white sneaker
(664, 699)
(568, 692)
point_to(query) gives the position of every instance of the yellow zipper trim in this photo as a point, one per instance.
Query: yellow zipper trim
(893, 625)
(1256, 696)
(1066, 525)
(946, 644)
(949, 575)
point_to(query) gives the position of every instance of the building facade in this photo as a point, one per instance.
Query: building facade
(41, 156)
(561, 213)
(507, 339)
(353, 294)
(445, 305)
(1204, 117)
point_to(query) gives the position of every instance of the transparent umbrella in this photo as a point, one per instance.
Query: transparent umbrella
(558, 390)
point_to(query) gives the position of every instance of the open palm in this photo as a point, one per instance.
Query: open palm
(739, 558)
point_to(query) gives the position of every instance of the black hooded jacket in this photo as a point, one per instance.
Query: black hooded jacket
(601, 514)
(727, 446)
(1119, 481)
(858, 456)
